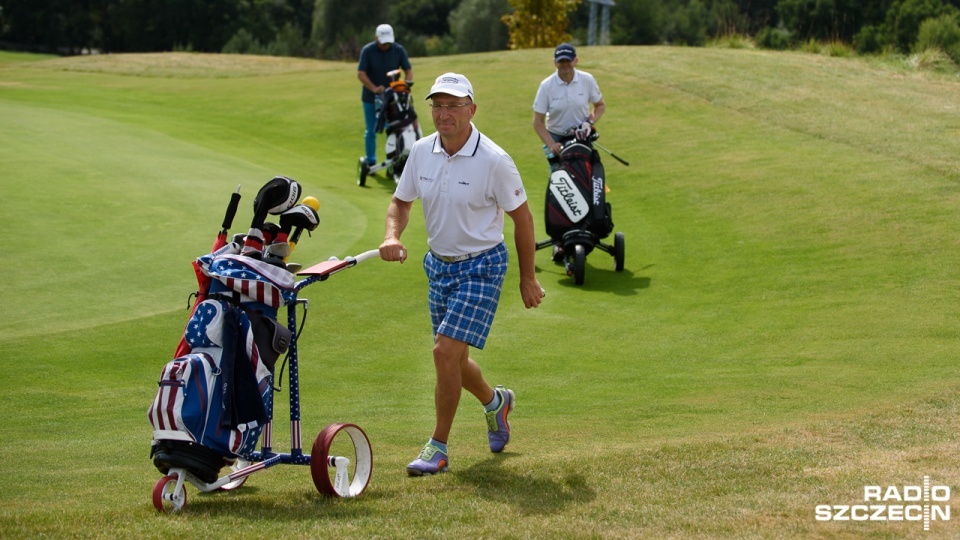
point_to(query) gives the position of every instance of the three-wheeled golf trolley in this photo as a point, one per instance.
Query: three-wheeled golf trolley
(216, 398)
(578, 217)
(398, 117)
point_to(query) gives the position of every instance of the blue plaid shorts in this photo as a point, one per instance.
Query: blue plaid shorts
(464, 295)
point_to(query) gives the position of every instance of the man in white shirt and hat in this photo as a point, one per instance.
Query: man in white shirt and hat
(465, 183)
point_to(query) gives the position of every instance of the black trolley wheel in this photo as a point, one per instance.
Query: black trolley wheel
(362, 170)
(618, 248)
(579, 263)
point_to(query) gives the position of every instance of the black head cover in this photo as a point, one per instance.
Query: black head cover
(275, 197)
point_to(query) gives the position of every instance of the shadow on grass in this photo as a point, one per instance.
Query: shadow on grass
(624, 283)
(251, 503)
(536, 492)
(381, 181)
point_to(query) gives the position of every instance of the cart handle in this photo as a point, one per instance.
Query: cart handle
(325, 269)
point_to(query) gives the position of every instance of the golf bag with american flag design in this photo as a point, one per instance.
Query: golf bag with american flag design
(213, 401)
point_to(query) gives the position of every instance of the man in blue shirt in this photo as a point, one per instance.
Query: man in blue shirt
(378, 58)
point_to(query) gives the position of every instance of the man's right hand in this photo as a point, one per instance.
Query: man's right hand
(392, 250)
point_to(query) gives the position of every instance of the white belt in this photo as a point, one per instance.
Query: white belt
(457, 258)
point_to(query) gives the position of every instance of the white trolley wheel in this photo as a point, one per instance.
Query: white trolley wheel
(333, 443)
(240, 463)
(165, 496)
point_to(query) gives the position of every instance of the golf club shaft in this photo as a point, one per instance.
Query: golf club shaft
(616, 157)
(292, 240)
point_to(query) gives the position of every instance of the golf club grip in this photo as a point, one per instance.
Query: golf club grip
(620, 160)
(231, 209)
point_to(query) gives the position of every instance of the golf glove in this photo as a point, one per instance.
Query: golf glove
(583, 132)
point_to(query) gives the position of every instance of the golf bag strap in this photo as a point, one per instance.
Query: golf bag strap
(230, 297)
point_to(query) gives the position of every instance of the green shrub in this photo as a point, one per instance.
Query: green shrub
(869, 40)
(440, 45)
(732, 40)
(778, 38)
(811, 46)
(243, 42)
(904, 17)
(941, 33)
(838, 49)
(932, 59)
(288, 42)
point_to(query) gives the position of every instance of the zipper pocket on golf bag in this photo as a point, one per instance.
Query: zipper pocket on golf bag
(187, 407)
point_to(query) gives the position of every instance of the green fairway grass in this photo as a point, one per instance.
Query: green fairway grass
(784, 333)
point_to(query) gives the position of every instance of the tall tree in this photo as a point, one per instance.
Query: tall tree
(904, 17)
(342, 27)
(422, 17)
(824, 19)
(538, 23)
(475, 25)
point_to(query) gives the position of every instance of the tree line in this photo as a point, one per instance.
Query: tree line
(337, 29)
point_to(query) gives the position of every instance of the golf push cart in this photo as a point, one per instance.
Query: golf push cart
(215, 400)
(397, 116)
(577, 216)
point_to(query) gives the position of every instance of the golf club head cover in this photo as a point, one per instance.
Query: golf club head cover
(231, 248)
(270, 232)
(583, 132)
(275, 197)
(253, 244)
(300, 216)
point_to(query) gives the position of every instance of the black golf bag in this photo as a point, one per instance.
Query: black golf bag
(577, 214)
(576, 195)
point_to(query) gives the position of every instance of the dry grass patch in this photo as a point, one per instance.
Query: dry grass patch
(187, 65)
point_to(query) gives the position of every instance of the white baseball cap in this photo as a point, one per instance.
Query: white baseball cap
(453, 84)
(385, 33)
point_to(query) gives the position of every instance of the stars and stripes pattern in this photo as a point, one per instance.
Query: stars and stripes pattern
(254, 279)
(205, 328)
(190, 376)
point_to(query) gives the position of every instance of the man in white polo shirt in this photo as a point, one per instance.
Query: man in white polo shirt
(465, 183)
(562, 105)
(566, 100)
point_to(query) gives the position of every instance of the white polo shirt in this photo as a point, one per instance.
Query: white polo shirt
(464, 195)
(566, 105)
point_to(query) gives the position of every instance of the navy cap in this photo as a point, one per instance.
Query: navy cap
(565, 51)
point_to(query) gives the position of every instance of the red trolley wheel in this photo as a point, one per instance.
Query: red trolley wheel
(165, 496)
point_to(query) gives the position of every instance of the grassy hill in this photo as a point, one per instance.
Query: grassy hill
(784, 333)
